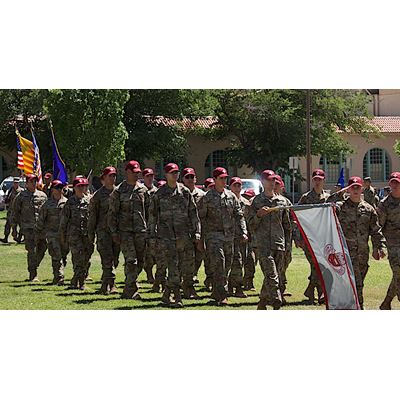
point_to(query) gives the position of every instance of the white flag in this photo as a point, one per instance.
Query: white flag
(324, 238)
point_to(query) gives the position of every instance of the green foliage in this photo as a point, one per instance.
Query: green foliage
(89, 127)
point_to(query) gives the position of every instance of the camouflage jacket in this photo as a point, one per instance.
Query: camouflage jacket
(11, 194)
(173, 214)
(389, 218)
(312, 197)
(244, 205)
(26, 208)
(128, 208)
(337, 196)
(98, 210)
(50, 216)
(197, 195)
(75, 216)
(152, 190)
(370, 196)
(273, 229)
(359, 221)
(221, 213)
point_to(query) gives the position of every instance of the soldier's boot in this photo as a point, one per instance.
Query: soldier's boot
(131, 293)
(104, 289)
(208, 283)
(230, 289)
(262, 305)
(60, 281)
(156, 286)
(5, 239)
(149, 274)
(74, 282)
(189, 292)
(386, 304)
(239, 293)
(166, 297)
(309, 292)
(251, 285)
(81, 283)
(64, 261)
(321, 297)
(177, 298)
(113, 288)
(33, 276)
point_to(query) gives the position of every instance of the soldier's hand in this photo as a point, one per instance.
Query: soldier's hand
(244, 238)
(382, 253)
(262, 212)
(378, 254)
(116, 239)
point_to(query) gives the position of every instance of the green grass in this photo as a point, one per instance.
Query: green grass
(17, 294)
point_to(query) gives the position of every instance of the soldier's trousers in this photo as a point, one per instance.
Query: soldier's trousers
(179, 260)
(149, 260)
(56, 251)
(235, 279)
(359, 259)
(394, 261)
(287, 259)
(36, 247)
(220, 254)
(198, 259)
(250, 263)
(109, 255)
(133, 247)
(160, 276)
(272, 287)
(8, 227)
(313, 277)
(81, 250)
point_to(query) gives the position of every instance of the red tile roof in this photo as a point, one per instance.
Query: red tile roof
(387, 124)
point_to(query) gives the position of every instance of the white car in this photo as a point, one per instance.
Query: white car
(254, 184)
(4, 186)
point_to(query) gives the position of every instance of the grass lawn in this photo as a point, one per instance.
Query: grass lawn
(17, 294)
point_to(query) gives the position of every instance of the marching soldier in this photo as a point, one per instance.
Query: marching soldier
(174, 222)
(370, 195)
(271, 227)
(26, 208)
(240, 249)
(49, 224)
(11, 194)
(316, 196)
(389, 218)
(359, 222)
(208, 185)
(126, 220)
(47, 183)
(189, 179)
(107, 248)
(220, 213)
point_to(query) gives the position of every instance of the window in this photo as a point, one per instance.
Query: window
(218, 159)
(332, 168)
(376, 164)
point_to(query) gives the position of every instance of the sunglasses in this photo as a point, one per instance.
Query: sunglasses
(189, 177)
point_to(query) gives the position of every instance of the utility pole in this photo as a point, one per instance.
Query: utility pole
(308, 137)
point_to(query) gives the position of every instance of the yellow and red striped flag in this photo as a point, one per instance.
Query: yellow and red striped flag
(26, 162)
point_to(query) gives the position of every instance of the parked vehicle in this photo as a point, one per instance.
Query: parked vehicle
(4, 186)
(254, 184)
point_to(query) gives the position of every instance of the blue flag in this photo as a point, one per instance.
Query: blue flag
(341, 178)
(59, 170)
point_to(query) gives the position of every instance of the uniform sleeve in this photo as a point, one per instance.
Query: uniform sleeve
(16, 212)
(381, 211)
(202, 208)
(378, 241)
(302, 199)
(238, 213)
(194, 217)
(93, 215)
(65, 217)
(113, 211)
(41, 222)
(153, 217)
(147, 200)
(252, 218)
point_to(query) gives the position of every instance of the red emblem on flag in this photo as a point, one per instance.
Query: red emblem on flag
(336, 260)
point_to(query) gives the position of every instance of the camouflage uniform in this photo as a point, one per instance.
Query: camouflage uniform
(11, 194)
(49, 224)
(287, 259)
(389, 218)
(26, 207)
(240, 251)
(337, 196)
(198, 255)
(107, 248)
(127, 219)
(359, 221)
(312, 197)
(370, 196)
(220, 213)
(151, 253)
(271, 232)
(74, 231)
(251, 260)
(174, 222)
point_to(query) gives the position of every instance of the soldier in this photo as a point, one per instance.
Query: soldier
(126, 220)
(74, 231)
(316, 196)
(370, 195)
(189, 179)
(359, 221)
(271, 226)
(287, 259)
(338, 195)
(150, 255)
(49, 224)
(240, 248)
(174, 222)
(107, 248)
(10, 196)
(208, 185)
(47, 183)
(220, 212)
(251, 260)
(389, 218)
(26, 207)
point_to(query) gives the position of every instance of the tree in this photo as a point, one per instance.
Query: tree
(266, 127)
(88, 125)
